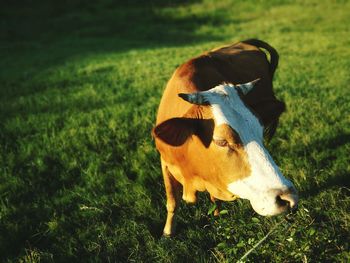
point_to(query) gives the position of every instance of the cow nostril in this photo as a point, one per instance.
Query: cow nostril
(282, 202)
(287, 200)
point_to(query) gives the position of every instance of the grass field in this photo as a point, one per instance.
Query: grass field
(80, 82)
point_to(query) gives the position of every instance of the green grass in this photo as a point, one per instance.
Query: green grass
(80, 83)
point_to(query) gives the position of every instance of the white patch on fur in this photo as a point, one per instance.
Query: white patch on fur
(265, 182)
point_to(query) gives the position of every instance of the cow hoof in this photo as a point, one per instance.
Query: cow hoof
(166, 236)
(216, 212)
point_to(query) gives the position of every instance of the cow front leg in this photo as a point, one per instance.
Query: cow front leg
(172, 188)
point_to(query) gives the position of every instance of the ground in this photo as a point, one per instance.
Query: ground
(80, 178)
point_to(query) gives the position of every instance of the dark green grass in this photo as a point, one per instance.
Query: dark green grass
(80, 84)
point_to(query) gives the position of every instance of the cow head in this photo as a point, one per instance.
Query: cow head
(235, 147)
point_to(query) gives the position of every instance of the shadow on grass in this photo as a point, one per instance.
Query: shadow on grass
(102, 25)
(37, 36)
(82, 27)
(330, 147)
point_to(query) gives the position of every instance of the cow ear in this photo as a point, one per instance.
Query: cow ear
(177, 131)
(245, 88)
(174, 131)
(269, 112)
(197, 98)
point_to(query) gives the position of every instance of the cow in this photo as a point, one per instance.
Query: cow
(214, 114)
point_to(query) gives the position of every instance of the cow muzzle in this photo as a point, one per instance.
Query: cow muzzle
(275, 202)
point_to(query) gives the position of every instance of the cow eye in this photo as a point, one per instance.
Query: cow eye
(220, 142)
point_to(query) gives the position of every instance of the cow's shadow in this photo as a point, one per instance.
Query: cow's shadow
(340, 180)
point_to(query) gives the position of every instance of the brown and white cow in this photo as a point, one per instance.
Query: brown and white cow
(210, 126)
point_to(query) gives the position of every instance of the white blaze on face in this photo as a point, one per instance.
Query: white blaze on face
(265, 182)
